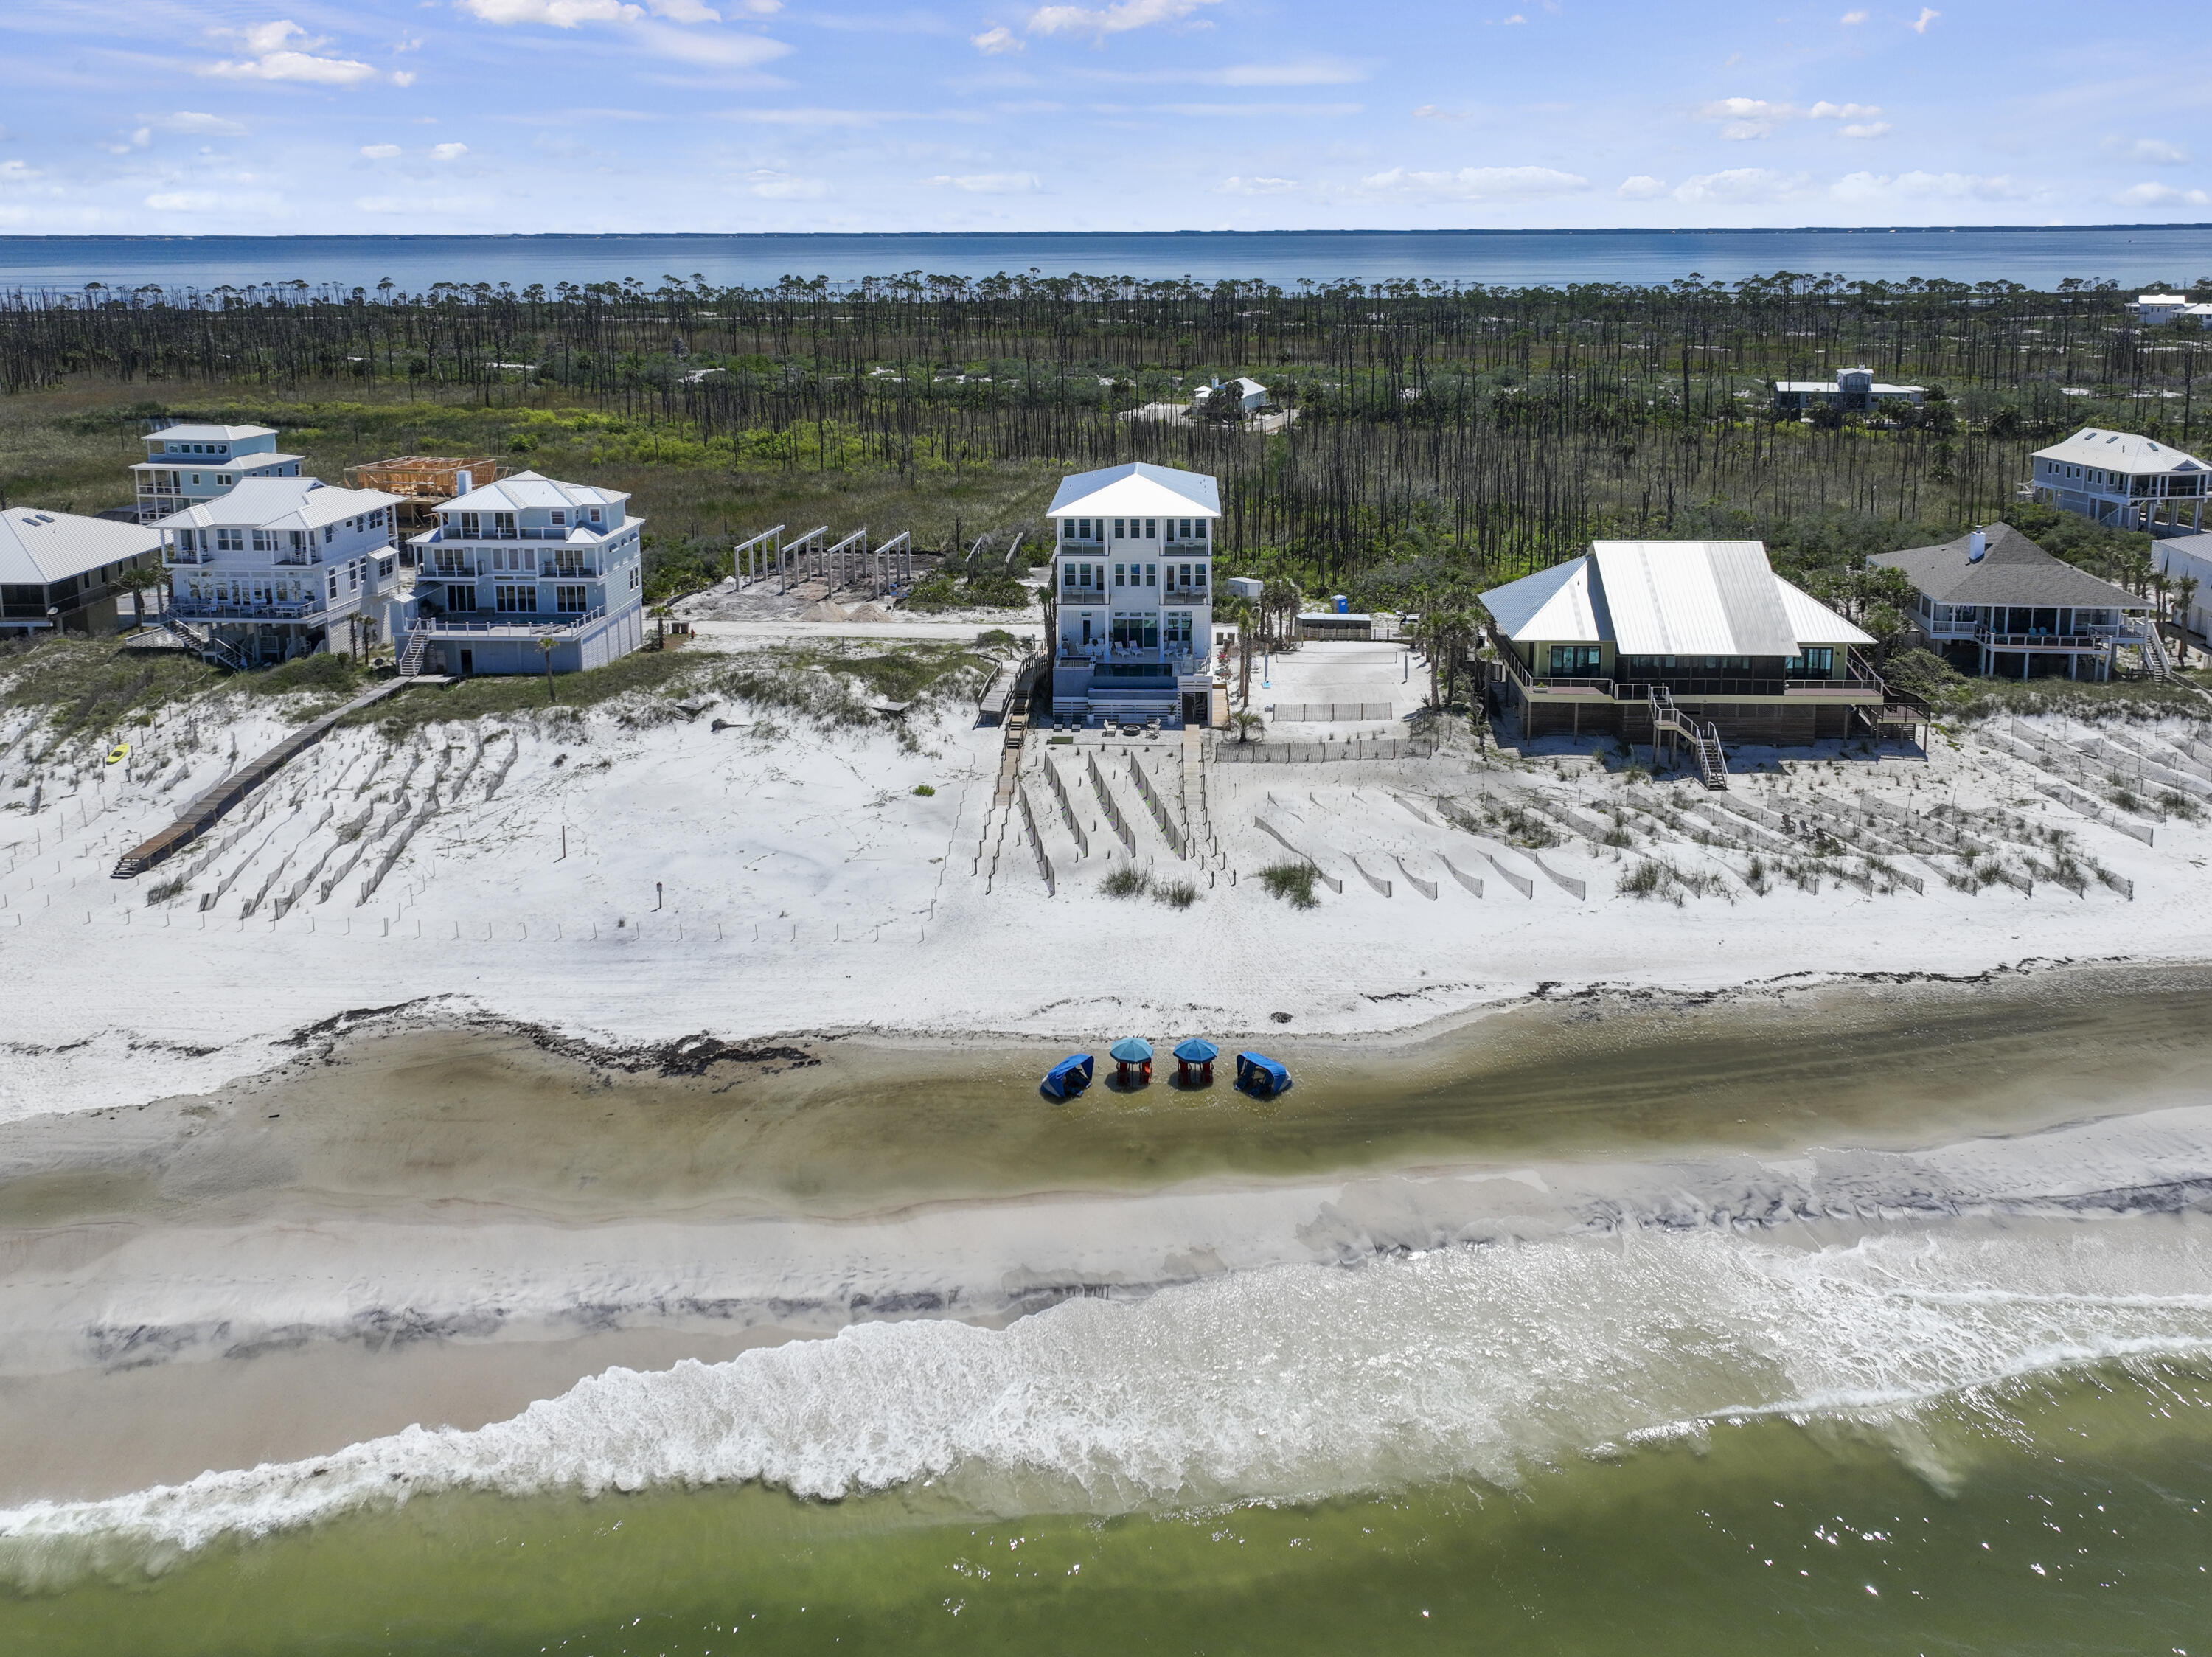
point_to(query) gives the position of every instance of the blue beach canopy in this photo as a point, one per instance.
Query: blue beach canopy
(1256, 1073)
(1131, 1049)
(1069, 1076)
(1197, 1051)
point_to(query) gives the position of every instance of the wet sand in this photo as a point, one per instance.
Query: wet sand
(440, 1224)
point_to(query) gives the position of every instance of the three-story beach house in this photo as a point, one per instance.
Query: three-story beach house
(283, 567)
(524, 573)
(2119, 478)
(188, 465)
(1132, 571)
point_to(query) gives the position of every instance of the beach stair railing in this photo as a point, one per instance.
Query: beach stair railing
(1321, 875)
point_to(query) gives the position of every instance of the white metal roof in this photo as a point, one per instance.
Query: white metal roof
(1693, 598)
(37, 548)
(1559, 606)
(211, 434)
(1138, 487)
(1835, 389)
(1813, 622)
(525, 491)
(1669, 599)
(279, 503)
(2121, 451)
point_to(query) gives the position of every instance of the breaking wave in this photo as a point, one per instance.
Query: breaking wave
(1289, 1383)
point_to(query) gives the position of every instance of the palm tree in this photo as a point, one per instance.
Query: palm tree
(1279, 600)
(1246, 724)
(1238, 611)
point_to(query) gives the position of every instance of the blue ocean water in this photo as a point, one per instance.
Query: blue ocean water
(2133, 255)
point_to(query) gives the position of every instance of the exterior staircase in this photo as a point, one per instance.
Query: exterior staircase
(207, 646)
(2154, 657)
(1704, 741)
(413, 652)
(1712, 761)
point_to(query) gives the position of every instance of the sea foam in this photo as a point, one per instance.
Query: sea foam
(1286, 1383)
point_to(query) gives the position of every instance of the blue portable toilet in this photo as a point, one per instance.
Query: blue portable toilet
(1343, 605)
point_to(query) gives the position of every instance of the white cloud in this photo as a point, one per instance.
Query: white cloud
(2161, 195)
(684, 11)
(1757, 118)
(403, 78)
(284, 51)
(1642, 187)
(1317, 71)
(991, 183)
(448, 152)
(782, 186)
(709, 50)
(1739, 187)
(1851, 19)
(16, 172)
(138, 140)
(1928, 15)
(1477, 183)
(1866, 130)
(379, 152)
(193, 120)
(556, 14)
(995, 39)
(1117, 19)
(2155, 151)
(1875, 188)
(1504, 22)
(184, 201)
(1256, 186)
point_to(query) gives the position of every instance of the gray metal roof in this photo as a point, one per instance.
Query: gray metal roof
(2013, 570)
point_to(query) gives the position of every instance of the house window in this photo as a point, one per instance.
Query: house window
(595, 515)
(1120, 529)
(471, 524)
(1152, 529)
(522, 600)
(1574, 659)
(224, 479)
(1136, 629)
(1812, 664)
(1067, 529)
(385, 566)
(569, 600)
(1175, 628)
(230, 540)
(460, 598)
(560, 518)
(1199, 526)
(1121, 575)
(334, 583)
(1152, 575)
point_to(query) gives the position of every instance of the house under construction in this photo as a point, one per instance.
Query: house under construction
(424, 481)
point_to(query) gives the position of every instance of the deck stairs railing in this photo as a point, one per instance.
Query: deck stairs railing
(207, 646)
(414, 652)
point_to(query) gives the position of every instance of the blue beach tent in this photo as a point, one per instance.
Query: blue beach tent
(1260, 1075)
(1069, 1077)
(1131, 1050)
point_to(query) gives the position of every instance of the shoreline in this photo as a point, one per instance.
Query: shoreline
(440, 1224)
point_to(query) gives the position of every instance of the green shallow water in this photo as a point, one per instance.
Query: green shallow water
(2072, 1515)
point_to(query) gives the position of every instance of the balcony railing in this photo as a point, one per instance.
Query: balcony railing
(186, 609)
(440, 536)
(1185, 596)
(513, 625)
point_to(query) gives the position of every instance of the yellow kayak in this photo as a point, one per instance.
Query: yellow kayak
(121, 751)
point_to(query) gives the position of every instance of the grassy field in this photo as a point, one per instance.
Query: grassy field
(68, 450)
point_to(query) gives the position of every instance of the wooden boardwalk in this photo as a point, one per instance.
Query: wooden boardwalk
(206, 809)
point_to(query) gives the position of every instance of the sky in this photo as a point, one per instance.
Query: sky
(294, 117)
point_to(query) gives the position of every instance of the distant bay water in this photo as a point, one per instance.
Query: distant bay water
(2132, 255)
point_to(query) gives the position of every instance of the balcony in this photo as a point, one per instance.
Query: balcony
(186, 609)
(1185, 596)
(513, 626)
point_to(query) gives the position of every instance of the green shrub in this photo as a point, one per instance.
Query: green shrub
(1125, 882)
(1293, 883)
(924, 790)
(1177, 894)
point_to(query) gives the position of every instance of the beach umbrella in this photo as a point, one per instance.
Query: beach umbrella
(1197, 1051)
(1131, 1049)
